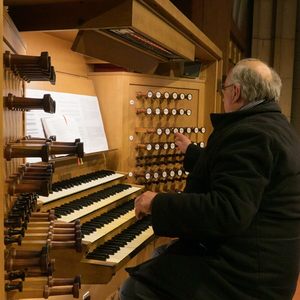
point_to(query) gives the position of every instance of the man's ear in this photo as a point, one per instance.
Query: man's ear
(236, 93)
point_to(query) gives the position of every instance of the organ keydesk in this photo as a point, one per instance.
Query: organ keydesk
(104, 203)
(147, 110)
(108, 234)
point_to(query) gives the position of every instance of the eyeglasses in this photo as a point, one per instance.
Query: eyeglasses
(224, 87)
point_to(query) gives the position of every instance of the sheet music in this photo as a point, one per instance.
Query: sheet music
(65, 127)
(76, 116)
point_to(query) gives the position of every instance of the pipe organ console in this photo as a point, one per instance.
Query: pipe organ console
(69, 222)
(104, 203)
(61, 212)
(88, 217)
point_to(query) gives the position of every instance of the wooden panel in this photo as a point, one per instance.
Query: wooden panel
(12, 124)
(99, 45)
(71, 69)
(118, 94)
(208, 50)
(64, 60)
(158, 30)
(158, 20)
(13, 121)
(61, 15)
(11, 36)
(213, 102)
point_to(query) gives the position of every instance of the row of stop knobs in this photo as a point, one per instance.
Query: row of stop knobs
(164, 111)
(170, 130)
(164, 96)
(161, 146)
(165, 174)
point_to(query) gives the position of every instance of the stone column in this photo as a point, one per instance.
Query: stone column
(262, 33)
(274, 27)
(284, 46)
(295, 114)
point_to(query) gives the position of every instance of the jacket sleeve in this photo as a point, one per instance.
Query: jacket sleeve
(238, 175)
(192, 154)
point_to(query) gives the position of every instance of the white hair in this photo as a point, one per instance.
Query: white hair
(254, 86)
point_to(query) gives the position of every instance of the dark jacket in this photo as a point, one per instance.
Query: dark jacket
(238, 220)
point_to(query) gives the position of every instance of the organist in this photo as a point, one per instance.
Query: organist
(238, 220)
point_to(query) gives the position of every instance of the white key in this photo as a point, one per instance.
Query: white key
(130, 246)
(99, 232)
(88, 209)
(79, 188)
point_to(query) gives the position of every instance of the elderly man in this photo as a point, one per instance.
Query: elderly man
(237, 223)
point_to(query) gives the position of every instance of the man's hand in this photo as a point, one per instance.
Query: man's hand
(182, 142)
(143, 204)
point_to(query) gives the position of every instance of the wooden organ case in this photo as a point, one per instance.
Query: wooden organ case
(141, 113)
